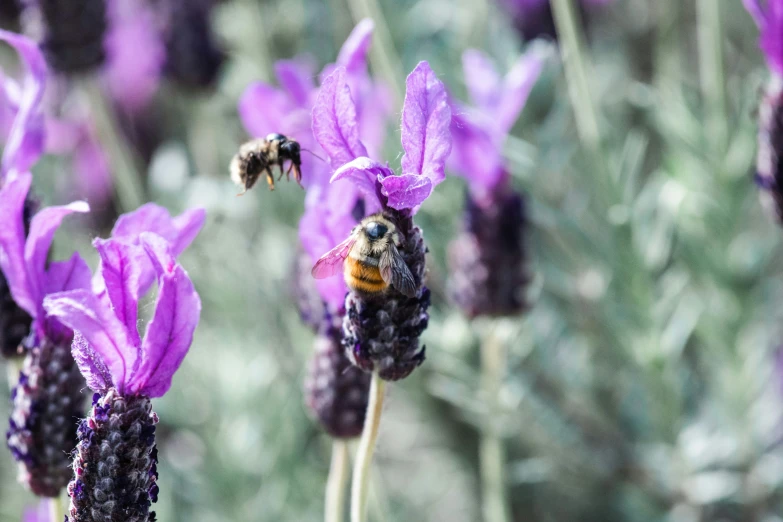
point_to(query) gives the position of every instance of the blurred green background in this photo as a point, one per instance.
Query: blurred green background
(642, 385)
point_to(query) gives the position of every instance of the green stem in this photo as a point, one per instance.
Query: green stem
(576, 70)
(56, 508)
(711, 74)
(361, 468)
(492, 455)
(124, 165)
(383, 55)
(335, 484)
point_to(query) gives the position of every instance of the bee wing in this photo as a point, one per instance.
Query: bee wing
(395, 272)
(332, 261)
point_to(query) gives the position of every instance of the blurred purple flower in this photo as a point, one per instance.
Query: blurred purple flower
(533, 18)
(24, 262)
(135, 53)
(108, 349)
(480, 130)
(265, 109)
(769, 18)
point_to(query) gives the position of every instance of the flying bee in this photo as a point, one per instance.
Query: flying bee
(259, 156)
(370, 259)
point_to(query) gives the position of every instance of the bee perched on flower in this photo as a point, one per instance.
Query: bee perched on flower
(385, 315)
(488, 259)
(769, 161)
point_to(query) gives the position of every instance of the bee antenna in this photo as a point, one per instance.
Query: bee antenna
(314, 154)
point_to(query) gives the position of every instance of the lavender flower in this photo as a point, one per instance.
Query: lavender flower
(488, 258)
(381, 331)
(115, 465)
(40, 513)
(769, 170)
(47, 398)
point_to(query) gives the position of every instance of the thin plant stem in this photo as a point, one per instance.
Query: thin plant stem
(576, 70)
(712, 75)
(491, 452)
(361, 468)
(383, 55)
(13, 367)
(124, 164)
(334, 508)
(56, 508)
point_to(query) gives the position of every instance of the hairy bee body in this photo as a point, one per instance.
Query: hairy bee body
(363, 275)
(258, 156)
(369, 259)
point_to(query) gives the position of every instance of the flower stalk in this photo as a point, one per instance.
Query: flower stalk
(335, 485)
(491, 452)
(576, 70)
(364, 454)
(711, 73)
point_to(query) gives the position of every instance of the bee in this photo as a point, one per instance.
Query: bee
(370, 259)
(257, 157)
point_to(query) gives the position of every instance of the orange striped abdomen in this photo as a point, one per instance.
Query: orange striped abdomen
(363, 277)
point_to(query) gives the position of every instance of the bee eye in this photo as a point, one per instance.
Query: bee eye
(375, 230)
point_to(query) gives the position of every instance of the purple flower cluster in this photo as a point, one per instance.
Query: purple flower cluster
(533, 18)
(115, 465)
(488, 273)
(381, 332)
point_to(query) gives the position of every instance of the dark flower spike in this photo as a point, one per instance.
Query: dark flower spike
(381, 331)
(336, 391)
(488, 258)
(769, 168)
(115, 466)
(73, 34)
(193, 55)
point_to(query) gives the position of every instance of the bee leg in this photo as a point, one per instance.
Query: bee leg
(280, 165)
(270, 178)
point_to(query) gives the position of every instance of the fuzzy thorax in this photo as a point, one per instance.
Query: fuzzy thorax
(115, 463)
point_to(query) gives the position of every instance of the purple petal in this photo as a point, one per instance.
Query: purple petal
(170, 333)
(26, 139)
(334, 120)
(771, 41)
(476, 155)
(377, 105)
(90, 364)
(263, 109)
(82, 311)
(42, 228)
(179, 231)
(297, 78)
(426, 118)
(517, 86)
(482, 79)
(406, 191)
(364, 174)
(755, 11)
(12, 242)
(135, 54)
(121, 270)
(62, 276)
(353, 53)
